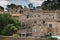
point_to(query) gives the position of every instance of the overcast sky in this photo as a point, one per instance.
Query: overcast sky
(21, 2)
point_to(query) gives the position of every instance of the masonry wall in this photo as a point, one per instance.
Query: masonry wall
(16, 38)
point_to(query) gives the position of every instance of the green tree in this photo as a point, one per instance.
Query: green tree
(6, 21)
(30, 5)
(44, 5)
(49, 5)
(11, 6)
(9, 30)
(1, 8)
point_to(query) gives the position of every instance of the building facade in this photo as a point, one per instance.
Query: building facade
(38, 22)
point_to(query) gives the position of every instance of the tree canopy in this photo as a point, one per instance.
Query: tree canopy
(1, 8)
(13, 5)
(50, 5)
(8, 24)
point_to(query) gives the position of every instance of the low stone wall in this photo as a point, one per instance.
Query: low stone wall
(19, 38)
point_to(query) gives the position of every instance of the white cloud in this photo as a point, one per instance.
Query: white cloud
(3, 3)
(36, 2)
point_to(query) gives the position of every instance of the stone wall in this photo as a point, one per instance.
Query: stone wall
(16, 38)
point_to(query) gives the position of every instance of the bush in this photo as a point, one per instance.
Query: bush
(51, 38)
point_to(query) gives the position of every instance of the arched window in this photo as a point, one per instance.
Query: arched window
(50, 34)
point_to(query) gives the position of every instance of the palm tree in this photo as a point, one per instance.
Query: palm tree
(30, 5)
